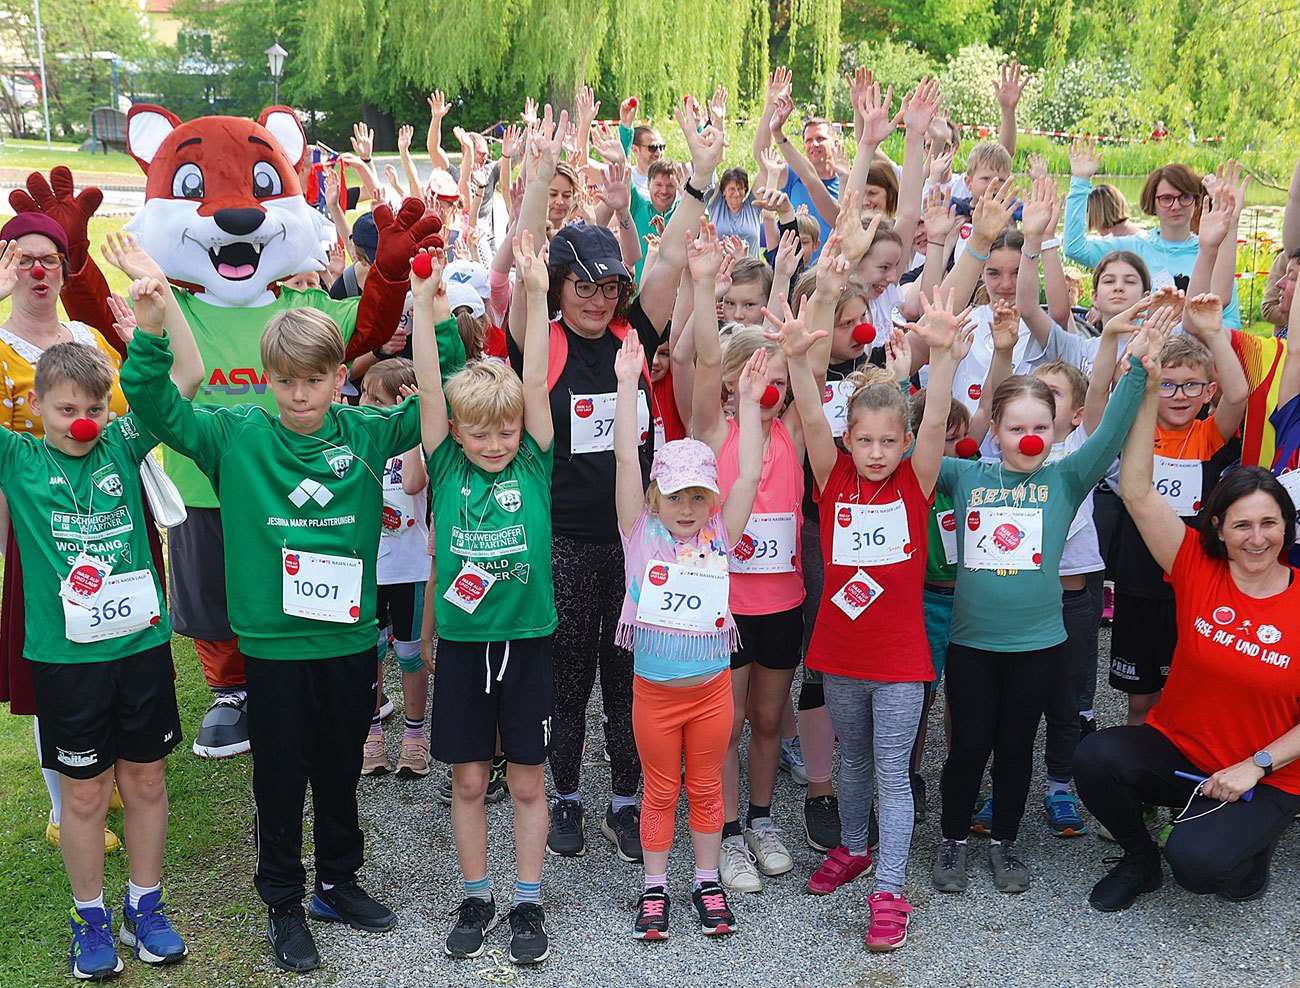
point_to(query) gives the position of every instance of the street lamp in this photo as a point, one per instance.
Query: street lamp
(275, 56)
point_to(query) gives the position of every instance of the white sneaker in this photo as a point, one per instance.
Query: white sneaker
(736, 867)
(769, 853)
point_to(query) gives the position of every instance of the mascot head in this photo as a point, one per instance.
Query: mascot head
(223, 207)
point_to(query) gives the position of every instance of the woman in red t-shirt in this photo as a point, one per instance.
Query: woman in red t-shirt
(1230, 712)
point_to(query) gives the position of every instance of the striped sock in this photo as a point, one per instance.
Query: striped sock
(376, 724)
(704, 876)
(414, 728)
(527, 892)
(479, 888)
(656, 881)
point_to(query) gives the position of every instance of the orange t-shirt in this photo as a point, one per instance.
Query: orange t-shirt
(1199, 441)
(1234, 683)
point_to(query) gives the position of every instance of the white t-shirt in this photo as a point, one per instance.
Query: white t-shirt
(968, 384)
(404, 535)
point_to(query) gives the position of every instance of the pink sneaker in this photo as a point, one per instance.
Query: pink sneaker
(888, 929)
(1107, 603)
(839, 868)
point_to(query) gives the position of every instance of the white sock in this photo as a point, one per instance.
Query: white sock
(134, 893)
(53, 780)
(326, 886)
(95, 903)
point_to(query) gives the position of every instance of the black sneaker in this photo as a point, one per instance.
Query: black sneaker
(475, 918)
(1087, 725)
(918, 799)
(821, 822)
(716, 918)
(224, 732)
(1132, 875)
(565, 834)
(528, 940)
(443, 790)
(350, 903)
(624, 831)
(652, 915)
(497, 788)
(291, 941)
(873, 829)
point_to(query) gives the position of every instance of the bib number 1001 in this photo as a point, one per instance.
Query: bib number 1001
(322, 591)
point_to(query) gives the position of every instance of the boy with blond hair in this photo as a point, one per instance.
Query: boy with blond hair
(495, 596)
(301, 507)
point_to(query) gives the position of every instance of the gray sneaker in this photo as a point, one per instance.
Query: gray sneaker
(1010, 873)
(949, 874)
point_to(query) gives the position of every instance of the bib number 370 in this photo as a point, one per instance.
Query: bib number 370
(321, 587)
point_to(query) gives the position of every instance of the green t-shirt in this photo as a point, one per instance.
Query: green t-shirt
(501, 523)
(643, 215)
(1019, 610)
(282, 492)
(937, 567)
(64, 505)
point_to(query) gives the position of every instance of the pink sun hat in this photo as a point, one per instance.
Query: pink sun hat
(685, 463)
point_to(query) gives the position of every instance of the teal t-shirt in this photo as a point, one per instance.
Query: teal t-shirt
(1019, 610)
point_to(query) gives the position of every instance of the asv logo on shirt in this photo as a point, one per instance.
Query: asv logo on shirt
(107, 480)
(238, 381)
(310, 490)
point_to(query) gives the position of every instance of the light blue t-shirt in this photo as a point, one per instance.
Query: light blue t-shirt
(799, 196)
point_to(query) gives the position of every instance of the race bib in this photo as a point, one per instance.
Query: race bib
(126, 603)
(682, 598)
(85, 580)
(661, 434)
(470, 587)
(1179, 483)
(591, 421)
(858, 594)
(399, 513)
(870, 534)
(321, 587)
(948, 535)
(768, 545)
(1291, 482)
(835, 405)
(1004, 538)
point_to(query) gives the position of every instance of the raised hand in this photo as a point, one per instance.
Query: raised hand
(855, 238)
(704, 253)
(404, 135)
(429, 285)
(718, 108)
(616, 188)
(921, 106)
(585, 107)
(10, 255)
(510, 141)
(607, 144)
(1010, 84)
(940, 214)
(124, 321)
(994, 210)
(363, 141)
(771, 200)
(530, 264)
(753, 377)
(337, 260)
(1218, 213)
(1168, 297)
(332, 190)
(1148, 341)
(627, 112)
(1203, 316)
(790, 330)
(781, 110)
(1005, 328)
(898, 355)
(1085, 159)
(1037, 166)
(123, 252)
(629, 360)
(940, 321)
(466, 145)
(877, 124)
(400, 235)
(706, 145)
(832, 269)
(544, 145)
(859, 80)
(529, 116)
(722, 280)
(58, 199)
(1127, 321)
(149, 303)
(1040, 204)
(437, 105)
(779, 84)
(772, 162)
(789, 253)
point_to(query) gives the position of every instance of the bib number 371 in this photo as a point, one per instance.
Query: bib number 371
(321, 587)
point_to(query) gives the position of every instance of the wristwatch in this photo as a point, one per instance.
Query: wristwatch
(1052, 244)
(695, 193)
(1263, 760)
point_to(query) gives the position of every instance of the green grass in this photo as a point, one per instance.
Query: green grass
(207, 871)
(34, 155)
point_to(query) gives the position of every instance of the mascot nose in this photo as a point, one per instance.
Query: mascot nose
(239, 222)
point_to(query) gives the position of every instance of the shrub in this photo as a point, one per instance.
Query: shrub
(893, 63)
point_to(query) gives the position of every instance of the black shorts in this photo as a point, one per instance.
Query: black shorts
(1143, 635)
(197, 601)
(480, 688)
(395, 608)
(94, 713)
(774, 641)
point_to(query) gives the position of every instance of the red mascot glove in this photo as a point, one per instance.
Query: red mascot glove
(401, 235)
(56, 199)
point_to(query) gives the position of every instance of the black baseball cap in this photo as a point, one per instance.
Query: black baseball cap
(365, 235)
(590, 252)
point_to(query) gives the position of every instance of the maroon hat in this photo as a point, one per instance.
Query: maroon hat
(34, 222)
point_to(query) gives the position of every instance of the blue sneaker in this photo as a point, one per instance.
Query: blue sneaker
(981, 822)
(792, 761)
(1063, 815)
(92, 955)
(147, 931)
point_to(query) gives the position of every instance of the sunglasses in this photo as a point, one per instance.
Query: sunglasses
(48, 261)
(654, 147)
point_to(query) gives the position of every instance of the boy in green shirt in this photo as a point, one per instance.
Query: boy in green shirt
(301, 506)
(98, 638)
(495, 597)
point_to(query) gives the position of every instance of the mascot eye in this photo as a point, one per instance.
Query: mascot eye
(187, 183)
(266, 180)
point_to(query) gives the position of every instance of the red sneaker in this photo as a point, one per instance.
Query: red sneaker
(839, 868)
(888, 929)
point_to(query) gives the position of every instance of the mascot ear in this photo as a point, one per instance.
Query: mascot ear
(147, 126)
(284, 125)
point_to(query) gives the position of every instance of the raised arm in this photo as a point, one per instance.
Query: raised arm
(1008, 88)
(534, 280)
(1036, 220)
(433, 141)
(947, 333)
(708, 423)
(821, 199)
(1289, 385)
(1005, 330)
(919, 110)
(540, 158)
(797, 335)
(992, 213)
(429, 307)
(749, 451)
(1079, 247)
(1161, 528)
(405, 134)
(1103, 363)
(1203, 318)
(629, 495)
(877, 125)
(778, 84)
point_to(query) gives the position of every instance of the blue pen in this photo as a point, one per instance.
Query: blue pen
(1246, 796)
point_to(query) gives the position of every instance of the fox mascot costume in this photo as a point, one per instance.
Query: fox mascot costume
(225, 217)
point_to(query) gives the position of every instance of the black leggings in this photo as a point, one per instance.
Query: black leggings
(589, 589)
(1120, 768)
(996, 700)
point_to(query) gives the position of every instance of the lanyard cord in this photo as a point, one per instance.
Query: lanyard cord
(75, 503)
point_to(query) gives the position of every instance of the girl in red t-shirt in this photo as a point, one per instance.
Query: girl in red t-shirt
(875, 508)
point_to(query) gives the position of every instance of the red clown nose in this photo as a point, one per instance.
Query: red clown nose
(770, 396)
(864, 333)
(84, 430)
(1031, 445)
(968, 449)
(422, 265)
(38, 273)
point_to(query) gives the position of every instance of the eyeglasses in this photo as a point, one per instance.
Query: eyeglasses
(1183, 199)
(48, 261)
(1192, 389)
(654, 147)
(587, 289)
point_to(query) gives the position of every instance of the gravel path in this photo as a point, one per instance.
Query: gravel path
(787, 938)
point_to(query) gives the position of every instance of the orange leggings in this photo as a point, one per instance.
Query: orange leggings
(666, 719)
